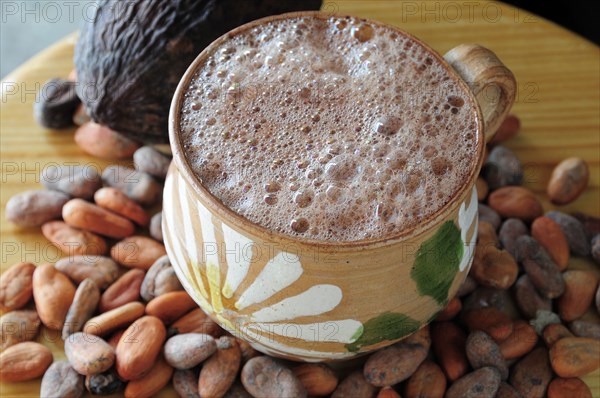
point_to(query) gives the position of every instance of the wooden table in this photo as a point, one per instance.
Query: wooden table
(558, 76)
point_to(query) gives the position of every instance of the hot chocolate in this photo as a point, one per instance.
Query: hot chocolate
(329, 129)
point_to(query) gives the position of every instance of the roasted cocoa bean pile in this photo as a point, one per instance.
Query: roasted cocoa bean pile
(523, 324)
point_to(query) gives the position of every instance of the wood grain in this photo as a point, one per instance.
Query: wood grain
(557, 100)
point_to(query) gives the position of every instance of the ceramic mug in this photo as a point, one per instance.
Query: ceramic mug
(315, 300)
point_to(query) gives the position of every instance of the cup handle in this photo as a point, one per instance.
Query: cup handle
(493, 84)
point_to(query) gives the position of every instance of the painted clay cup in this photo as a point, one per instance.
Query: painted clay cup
(314, 300)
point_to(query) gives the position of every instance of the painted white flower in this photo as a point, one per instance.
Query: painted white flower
(240, 310)
(467, 218)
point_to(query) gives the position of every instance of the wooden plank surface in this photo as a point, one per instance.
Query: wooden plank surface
(558, 76)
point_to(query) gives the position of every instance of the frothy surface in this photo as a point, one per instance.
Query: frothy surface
(328, 129)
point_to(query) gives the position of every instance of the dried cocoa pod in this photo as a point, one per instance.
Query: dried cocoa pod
(151, 161)
(511, 230)
(106, 383)
(34, 208)
(266, 377)
(73, 241)
(137, 252)
(156, 226)
(125, 290)
(481, 383)
(83, 307)
(185, 351)
(24, 361)
(220, 370)
(18, 326)
(89, 354)
(354, 385)
(574, 232)
(550, 236)
(502, 168)
(483, 351)
(528, 299)
(488, 215)
(53, 294)
(575, 356)
(133, 98)
(585, 329)
(116, 201)
(159, 279)
(568, 180)
(56, 103)
(541, 269)
(138, 186)
(185, 383)
(73, 180)
(103, 142)
(517, 202)
(100, 269)
(61, 380)
(16, 286)
(532, 374)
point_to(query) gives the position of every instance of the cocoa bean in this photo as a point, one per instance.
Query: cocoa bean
(106, 383)
(515, 201)
(152, 382)
(151, 161)
(568, 180)
(34, 208)
(481, 383)
(528, 299)
(112, 320)
(16, 286)
(483, 351)
(100, 269)
(137, 252)
(89, 354)
(574, 231)
(81, 214)
(139, 186)
(428, 381)
(18, 326)
(75, 181)
(511, 230)
(139, 347)
(83, 307)
(125, 290)
(185, 383)
(572, 388)
(103, 142)
(265, 377)
(24, 361)
(354, 385)
(116, 201)
(508, 129)
(220, 370)
(159, 279)
(185, 351)
(53, 294)
(488, 215)
(585, 329)
(580, 287)
(574, 356)
(502, 168)
(549, 235)
(156, 226)
(72, 241)
(543, 273)
(449, 341)
(61, 380)
(532, 374)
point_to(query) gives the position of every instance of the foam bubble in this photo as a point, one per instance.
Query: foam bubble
(329, 129)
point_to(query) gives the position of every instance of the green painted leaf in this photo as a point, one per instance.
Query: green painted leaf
(387, 326)
(437, 261)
